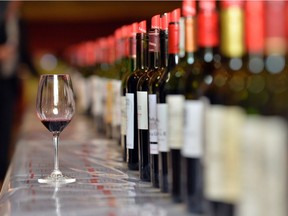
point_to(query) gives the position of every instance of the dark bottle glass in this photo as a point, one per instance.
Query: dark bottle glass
(130, 50)
(131, 96)
(173, 58)
(175, 101)
(142, 99)
(153, 84)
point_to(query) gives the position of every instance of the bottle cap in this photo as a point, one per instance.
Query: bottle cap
(155, 22)
(189, 8)
(134, 29)
(165, 19)
(142, 27)
(208, 5)
(175, 15)
(232, 3)
(125, 31)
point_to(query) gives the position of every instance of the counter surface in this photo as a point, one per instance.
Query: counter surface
(104, 186)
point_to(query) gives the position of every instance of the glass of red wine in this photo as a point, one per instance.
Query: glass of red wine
(55, 108)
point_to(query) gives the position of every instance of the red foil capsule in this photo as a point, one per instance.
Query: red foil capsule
(165, 19)
(142, 27)
(189, 8)
(155, 22)
(134, 29)
(175, 15)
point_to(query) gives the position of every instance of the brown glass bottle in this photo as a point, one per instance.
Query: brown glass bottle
(153, 84)
(130, 49)
(142, 97)
(175, 100)
(131, 97)
(173, 60)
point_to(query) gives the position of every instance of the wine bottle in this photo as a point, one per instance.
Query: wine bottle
(130, 50)
(228, 88)
(175, 100)
(257, 94)
(131, 96)
(153, 83)
(142, 99)
(275, 61)
(173, 58)
(196, 82)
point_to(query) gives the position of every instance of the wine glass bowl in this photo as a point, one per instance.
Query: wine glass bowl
(55, 107)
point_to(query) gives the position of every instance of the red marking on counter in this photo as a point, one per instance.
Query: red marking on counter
(94, 180)
(100, 187)
(91, 169)
(32, 176)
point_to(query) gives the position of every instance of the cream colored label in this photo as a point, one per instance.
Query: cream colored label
(116, 103)
(222, 159)
(175, 121)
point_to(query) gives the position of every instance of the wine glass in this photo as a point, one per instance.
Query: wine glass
(55, 108)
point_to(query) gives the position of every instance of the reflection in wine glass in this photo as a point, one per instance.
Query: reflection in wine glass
(55, 108)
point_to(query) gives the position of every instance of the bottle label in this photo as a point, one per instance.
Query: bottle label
(123, 115)
(162, 127)
(193, 128)
(154, 44)
(223, 147)
(214, 149)
(116, 108)
(142, 110)
(153, 118)
(130, 120)
(109, 102)
(208, 29)
(175, 105)
(173, 38)
(154, 149)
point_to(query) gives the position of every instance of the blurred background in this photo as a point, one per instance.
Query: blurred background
(51, 26)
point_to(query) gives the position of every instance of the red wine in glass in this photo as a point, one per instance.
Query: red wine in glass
(55, 108)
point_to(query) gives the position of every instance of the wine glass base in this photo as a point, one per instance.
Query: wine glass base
(59, 180)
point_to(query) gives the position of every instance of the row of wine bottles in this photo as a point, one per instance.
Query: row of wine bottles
(198, 102)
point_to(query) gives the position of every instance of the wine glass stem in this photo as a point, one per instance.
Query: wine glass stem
(56, 159)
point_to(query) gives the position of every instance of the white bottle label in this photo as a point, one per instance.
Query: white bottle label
(162, 127)
(153, 118)
(193, 129)
(175, 120)
(142, 110)
(123, 115)
(154, 149)
(130, 120)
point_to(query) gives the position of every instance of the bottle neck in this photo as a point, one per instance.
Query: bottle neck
(154, 49)
(164, 48)
(132, 54)
(190, 40)
(173, 48)
(208, 54)
(141, 50)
